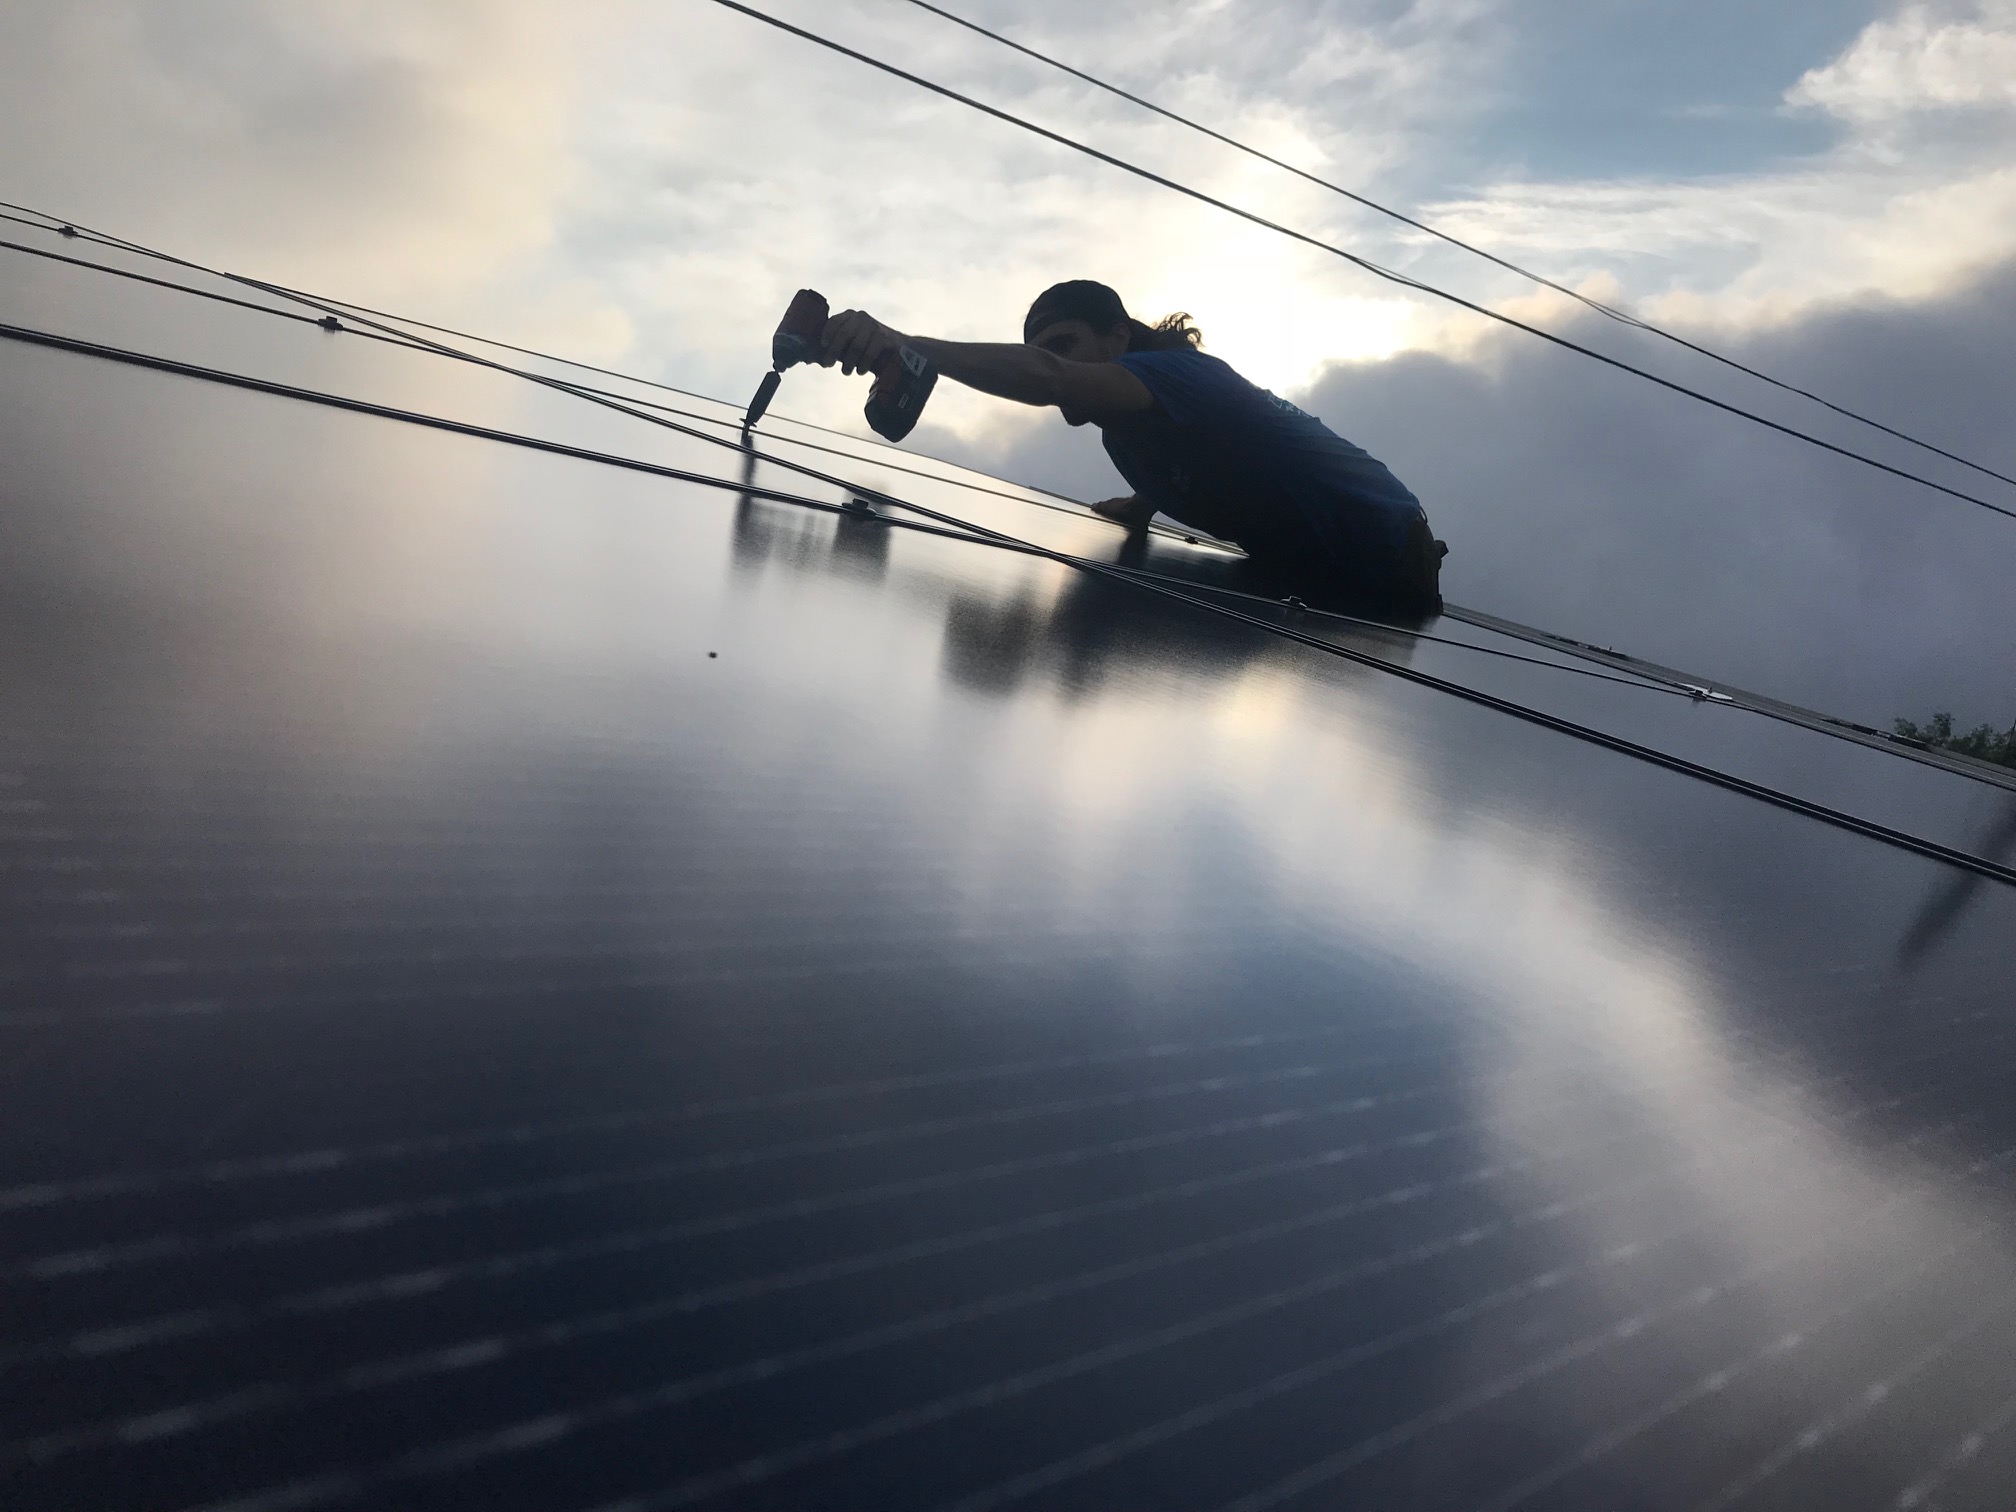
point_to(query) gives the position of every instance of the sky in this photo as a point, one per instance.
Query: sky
(1823, 188)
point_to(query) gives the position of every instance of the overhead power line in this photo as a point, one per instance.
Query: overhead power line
(1610, 311)
(1389, 274)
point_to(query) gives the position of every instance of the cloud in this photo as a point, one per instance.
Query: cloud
(1915, 194)
(1593, 504)
(1918, 61)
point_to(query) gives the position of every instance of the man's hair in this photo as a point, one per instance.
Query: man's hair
(1169, 334)
(1099, 307)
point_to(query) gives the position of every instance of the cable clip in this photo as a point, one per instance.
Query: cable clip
(859, 508)
(330, 323)
(70, 231)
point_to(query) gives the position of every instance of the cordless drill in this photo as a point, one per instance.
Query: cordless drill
(903, 378)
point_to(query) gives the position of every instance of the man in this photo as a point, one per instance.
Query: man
(1197, 442)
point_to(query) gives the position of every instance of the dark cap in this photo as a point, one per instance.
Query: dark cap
(1079, 299)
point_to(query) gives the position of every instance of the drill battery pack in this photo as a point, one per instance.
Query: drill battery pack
(904, 379)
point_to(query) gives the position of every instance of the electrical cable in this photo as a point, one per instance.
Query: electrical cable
(1869, 829)
(1062, 504)
(402, 339)
(166, 283)
(363, 325)
(1672, 683)
(1636, 680)
(1610, 311)
(963, 531)
(1389, 274)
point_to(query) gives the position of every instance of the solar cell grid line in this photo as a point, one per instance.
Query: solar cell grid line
(276, 1231)
(124, 1338)
(547, 1430)
(298, 1163)
(767, 1028)
(972, 960)
(1114, 1451)
(970, 954)
(524, 893)
(185, 1246)
(517, 955)
(301, 1162)
(295, 1162)
(1328, 1469)
(132, 1335)
(922, 904)
(1871, 1399)
(774, 1028)
(1833, 1011)
(1553, 1210)
(490, 1350)
(172, 1246)
(1718, 1381)
(700, 1488)
(1923, 1491)
(458, 1359)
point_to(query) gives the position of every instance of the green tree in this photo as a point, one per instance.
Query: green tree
(1982, 742)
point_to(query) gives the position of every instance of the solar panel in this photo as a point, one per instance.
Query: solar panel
(531, 984)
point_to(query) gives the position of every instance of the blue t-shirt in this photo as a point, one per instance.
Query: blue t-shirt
(1229, 459)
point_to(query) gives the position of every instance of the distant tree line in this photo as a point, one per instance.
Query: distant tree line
(1983, 742)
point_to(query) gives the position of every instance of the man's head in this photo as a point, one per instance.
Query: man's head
(1084, 321)
(1080, 321)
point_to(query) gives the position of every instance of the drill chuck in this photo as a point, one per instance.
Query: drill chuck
(798, 333)
(904, 378)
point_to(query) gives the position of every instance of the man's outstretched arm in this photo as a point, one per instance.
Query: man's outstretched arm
(1095, 391)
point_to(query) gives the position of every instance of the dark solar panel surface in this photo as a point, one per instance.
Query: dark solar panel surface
(533, 986)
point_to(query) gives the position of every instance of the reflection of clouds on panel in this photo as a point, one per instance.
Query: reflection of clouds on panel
(1605, 1029)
